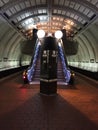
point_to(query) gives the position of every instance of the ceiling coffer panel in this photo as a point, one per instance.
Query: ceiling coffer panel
(50, 15)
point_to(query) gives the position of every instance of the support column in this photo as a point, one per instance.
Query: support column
(48, 70)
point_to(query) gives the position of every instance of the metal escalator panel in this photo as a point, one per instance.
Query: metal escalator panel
(36, 76)
(34, 69)
(63, 72)
(60, 74)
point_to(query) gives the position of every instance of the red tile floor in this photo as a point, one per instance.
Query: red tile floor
(22, 107)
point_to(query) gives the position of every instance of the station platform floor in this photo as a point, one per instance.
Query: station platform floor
(22, 107)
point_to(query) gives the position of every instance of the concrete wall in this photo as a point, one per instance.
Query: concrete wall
(87, 56)
(12, 43)
(10, 47)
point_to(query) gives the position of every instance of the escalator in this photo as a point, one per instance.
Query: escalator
(63, 74)
(60, 74)
(36, 77)
(34, 69)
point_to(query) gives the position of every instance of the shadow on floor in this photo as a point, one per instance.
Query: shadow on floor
(45, 113)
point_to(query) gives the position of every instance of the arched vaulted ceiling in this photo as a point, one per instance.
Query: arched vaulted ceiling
(19, 17)
(50, 15)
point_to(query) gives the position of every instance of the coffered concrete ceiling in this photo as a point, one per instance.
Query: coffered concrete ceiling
(50, 15)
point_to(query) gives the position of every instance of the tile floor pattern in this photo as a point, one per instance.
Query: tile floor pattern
(22, 107)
